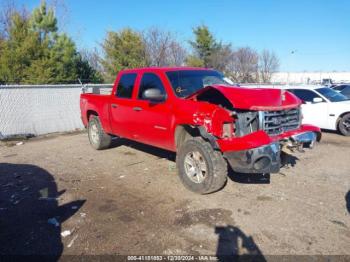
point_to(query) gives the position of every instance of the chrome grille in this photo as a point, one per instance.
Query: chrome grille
(277, 122)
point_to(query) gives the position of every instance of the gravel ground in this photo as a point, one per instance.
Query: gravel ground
(129, 200)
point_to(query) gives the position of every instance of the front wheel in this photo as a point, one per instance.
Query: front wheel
(97, 136)
(344, 125)
(201, 169)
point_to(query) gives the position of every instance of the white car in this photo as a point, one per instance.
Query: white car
(324, 107)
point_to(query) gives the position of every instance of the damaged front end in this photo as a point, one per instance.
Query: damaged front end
(270, 157)
(255, 139)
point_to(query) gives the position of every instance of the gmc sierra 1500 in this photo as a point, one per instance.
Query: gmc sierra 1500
(196, 113)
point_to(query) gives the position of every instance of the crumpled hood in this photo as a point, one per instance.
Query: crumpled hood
(255, 98)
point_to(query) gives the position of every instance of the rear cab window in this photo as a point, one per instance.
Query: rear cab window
(126, 85)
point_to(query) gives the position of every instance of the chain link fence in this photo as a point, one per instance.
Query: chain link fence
(33, 110)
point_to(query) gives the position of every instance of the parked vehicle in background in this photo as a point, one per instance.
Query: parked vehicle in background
(197, 114)
(343, 89)
(324, 107)
(327, 82)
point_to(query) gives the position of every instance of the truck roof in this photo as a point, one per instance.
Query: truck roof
(165, 69)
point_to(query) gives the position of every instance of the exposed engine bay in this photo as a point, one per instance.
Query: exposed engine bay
(249, 121)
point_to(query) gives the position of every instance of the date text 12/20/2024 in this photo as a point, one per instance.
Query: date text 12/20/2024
(172, 258)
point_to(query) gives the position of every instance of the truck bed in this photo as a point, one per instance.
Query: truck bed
(100, 103)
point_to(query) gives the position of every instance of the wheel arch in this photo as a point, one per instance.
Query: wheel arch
(184, 132)
(89, 113)
(340, 117)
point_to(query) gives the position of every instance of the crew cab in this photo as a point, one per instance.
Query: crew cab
(324, 107)
(208, 122)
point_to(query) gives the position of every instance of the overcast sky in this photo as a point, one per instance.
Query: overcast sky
(306, 34)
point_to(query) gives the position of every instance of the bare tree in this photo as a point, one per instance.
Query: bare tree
(244, 65)
(162, 48)
(157, 43)
(177, 54)
(221, 57)
(93, 58)
(269, 64)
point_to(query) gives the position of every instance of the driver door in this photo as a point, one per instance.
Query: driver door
(153, 121)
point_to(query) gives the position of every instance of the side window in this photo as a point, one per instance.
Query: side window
(346, 91)
(126, 85)
(305, 95)
(148, 81)
(338, 88)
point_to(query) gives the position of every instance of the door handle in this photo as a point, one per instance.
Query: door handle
(137, 108)
(114, 105)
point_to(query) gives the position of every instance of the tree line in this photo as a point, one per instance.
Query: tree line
(34, 51)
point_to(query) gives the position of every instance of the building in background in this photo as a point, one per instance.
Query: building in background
(310, 77)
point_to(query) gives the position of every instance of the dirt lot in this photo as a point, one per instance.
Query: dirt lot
(129, 200)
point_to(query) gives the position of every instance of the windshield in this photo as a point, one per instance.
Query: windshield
(187, 82)
(331, 95)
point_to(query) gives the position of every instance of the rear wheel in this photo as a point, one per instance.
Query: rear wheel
(201, 169)
(344, 125)
(97, 136)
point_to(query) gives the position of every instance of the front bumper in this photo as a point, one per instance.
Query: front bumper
(307, 138)
(266, 158)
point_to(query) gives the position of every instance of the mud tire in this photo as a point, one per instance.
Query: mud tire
(98, 138)
(216, 175)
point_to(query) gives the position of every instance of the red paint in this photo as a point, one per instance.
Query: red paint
(156, 123)
(259, 138)
(256, 98)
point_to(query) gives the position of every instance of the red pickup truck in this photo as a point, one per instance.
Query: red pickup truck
(208, 122)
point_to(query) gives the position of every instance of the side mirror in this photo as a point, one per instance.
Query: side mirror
(317, 100)
(153, 94)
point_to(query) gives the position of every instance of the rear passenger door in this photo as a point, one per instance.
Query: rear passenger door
(122, 104)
